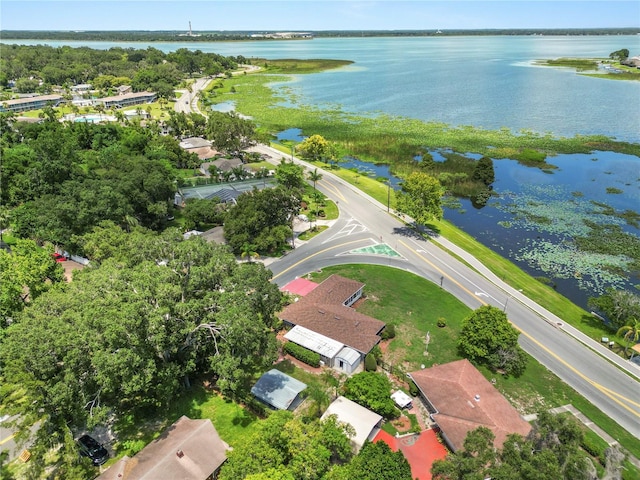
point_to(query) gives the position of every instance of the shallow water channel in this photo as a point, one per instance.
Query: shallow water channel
(536, 214)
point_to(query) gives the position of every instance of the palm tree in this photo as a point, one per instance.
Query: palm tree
(320, 399)
(314, 177)
(239, 173)
(319, 198)
(248, 250)
(312, 218)
(130, 222)
(120, 117)
(630, 332)
(214, 172)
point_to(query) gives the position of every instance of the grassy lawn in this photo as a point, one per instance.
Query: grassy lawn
(231, 420)
(309, 234)
(414, 305)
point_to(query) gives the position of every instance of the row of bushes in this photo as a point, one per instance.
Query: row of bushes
(303, 354)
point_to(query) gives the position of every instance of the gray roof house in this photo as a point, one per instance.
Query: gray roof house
(278, 390)
(187, 450)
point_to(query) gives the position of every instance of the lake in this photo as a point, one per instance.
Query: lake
(488, 82)
(492, 82)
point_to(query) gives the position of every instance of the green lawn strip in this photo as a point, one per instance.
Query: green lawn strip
(630, 471)
(256, 166)
(368, 185)
(309, 234)
(232, 421)
(295, 66)
(391, 294)
(286, 366)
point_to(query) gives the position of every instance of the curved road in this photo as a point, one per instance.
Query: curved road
(188, 101)
(587, 366)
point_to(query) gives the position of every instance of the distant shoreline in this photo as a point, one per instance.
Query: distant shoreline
(261, 36)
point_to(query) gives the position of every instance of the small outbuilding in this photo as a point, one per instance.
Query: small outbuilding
(278, 390)
(401, 399)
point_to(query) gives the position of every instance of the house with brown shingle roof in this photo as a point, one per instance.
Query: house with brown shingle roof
(326, 310)
(460, 399)
(187, 450)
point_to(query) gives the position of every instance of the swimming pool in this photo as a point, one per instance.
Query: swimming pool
(95, 118)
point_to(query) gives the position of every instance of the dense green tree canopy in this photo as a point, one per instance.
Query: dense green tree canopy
(261, 218)
(122, 339)
(621, 54)
(373, 391)
(550, 452)
(147, 69)
(198, 212)
(484, 172)
(488, 337)
(25, 274)
(290, 175)
(314, 148)
(287, 447)
(65, 179)
(420, 198)
(376, 461)
(230, 132)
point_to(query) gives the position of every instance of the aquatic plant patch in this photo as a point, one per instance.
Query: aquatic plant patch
(571, 238)
(565, 260)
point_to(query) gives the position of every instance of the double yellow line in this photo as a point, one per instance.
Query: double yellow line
(606, 391)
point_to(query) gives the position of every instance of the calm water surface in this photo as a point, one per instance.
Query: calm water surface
(487, 82)
(490, 82)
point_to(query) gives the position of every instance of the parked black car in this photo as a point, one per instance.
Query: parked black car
(89, 447)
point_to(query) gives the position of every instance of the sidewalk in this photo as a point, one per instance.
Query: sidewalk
(510, 292)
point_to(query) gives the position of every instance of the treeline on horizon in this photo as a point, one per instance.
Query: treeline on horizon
(218, 36)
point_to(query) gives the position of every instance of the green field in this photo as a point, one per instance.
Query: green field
(414, 304)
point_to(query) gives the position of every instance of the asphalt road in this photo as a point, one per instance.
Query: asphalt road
(188, 101)
(587, 366)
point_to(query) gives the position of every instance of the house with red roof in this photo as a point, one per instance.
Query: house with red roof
(460, 399)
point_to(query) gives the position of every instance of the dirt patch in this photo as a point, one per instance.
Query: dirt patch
(402, 424)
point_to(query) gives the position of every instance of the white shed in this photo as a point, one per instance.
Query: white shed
(347, 360)
(401, 399)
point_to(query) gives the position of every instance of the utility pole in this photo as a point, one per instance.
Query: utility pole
(388, 193)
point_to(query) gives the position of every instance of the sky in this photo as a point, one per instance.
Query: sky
(303, 15)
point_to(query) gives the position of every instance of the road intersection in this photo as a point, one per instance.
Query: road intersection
(606, 380)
